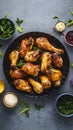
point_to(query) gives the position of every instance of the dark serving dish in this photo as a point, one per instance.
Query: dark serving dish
(15, 45)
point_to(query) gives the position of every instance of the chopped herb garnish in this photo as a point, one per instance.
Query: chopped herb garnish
(65, 105)
(20, 63)
(35, 48)
(38, 106)
(51, 67)
(24, 108)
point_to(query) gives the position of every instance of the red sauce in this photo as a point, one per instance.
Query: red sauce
(69, 37)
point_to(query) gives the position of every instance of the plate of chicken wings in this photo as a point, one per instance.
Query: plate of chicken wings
(36, 63)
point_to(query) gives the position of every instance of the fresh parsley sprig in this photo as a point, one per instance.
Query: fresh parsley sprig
(18, 26)
(24, 108)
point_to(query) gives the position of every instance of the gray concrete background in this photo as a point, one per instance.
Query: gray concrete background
(38, 16)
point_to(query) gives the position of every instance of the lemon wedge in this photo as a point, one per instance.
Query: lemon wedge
(2, 86)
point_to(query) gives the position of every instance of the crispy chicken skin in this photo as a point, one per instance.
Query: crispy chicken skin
(46, 61)
(55, 76)
(38, 88)
(44, 44)
(26, 46)
(17, 73)
(22, 85)
(46, 83)
(13, 57)
(32, 56)
(57, 60)
(30, 69)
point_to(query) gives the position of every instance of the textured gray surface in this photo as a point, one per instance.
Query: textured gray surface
(37, 16)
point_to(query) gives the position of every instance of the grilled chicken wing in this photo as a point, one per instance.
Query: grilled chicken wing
(30, 69)
(44, 44)
(26, 46)
(46, 61)
(38, 88)
(57, 60)
(13, 57)
(17, 73)
(55, 76)
(22, 85)
(32, 56)
(46, 83)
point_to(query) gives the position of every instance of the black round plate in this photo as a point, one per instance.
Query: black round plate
(15, 44)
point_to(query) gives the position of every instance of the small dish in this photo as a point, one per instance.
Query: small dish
(7, 29)
(10, 99)
(60, 26)
(68, 37)
(64, 105)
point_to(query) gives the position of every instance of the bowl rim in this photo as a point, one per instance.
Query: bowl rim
(6, 105)
(13, 29)
(63, 94)
(59, 22)
(65, 37)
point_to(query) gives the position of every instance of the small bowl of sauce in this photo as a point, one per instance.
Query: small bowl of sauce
(68, 37)
(10, 99)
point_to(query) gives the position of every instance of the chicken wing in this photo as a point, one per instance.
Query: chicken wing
(32, 56)
(30, 69)
(55, 76)
(46, 61)
(57, 60)
(46, 83)
(44, 44)
(38, 88)
(22, 85)
(26, 46)
(13, 57)
(17, 73)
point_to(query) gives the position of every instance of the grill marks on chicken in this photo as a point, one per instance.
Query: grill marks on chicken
(26, 46)
(44, 44)
(46, 61)
(13, 57)
(33, 56)
(57, 60)
(22, 85)
(30, 69)
(38, 88)
(50, 56)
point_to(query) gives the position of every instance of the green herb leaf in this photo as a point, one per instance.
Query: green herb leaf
(35, 48)
(71, 11)
(72, 65)
(56, 17)
(70, 23)
(20, 63)
(19, 21)
(1, 54)
(51, 67)
(24, 108)
(19, 29)
(39, 107)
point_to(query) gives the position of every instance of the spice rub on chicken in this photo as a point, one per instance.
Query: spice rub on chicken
(36, 70)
